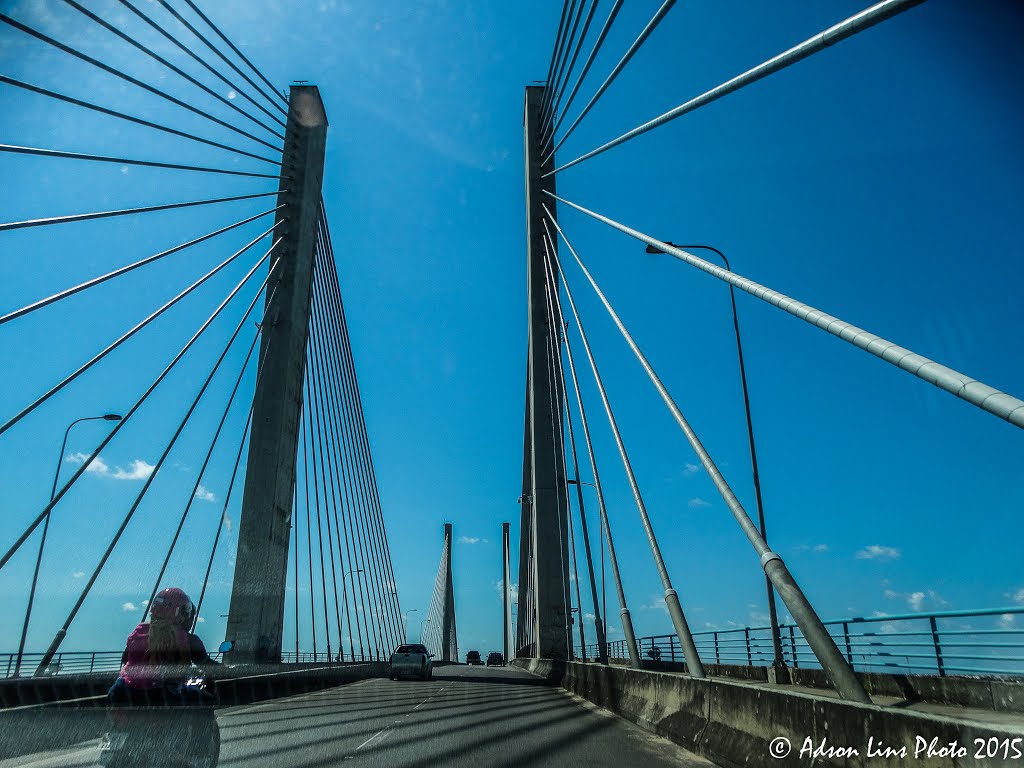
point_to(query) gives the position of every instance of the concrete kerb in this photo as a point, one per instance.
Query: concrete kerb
(737, 724)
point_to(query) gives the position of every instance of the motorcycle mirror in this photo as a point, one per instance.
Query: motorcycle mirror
(226, 646)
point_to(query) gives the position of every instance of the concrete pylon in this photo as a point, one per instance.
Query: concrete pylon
(449, 643)
(544, 454)
(256, 613)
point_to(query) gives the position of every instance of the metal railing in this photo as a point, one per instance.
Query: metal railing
(913, 643)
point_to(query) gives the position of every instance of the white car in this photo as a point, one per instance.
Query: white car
(411, 661)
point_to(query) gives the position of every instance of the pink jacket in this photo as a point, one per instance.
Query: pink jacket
(140, 670)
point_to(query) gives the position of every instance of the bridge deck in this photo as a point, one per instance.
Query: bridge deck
(466, 716)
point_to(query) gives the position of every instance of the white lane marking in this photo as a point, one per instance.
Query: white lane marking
(378, 733)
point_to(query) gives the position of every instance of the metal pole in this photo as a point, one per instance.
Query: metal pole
(46, 528)
(405, 622)
(256, 612)
(506, 613)
(773, 616)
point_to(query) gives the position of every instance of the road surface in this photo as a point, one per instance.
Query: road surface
(466, 717)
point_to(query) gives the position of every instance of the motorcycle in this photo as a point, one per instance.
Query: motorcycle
(181, 732)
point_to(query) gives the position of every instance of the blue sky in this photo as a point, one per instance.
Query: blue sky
(878, 181)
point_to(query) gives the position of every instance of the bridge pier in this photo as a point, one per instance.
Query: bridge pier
(544, 492)
(256, 613)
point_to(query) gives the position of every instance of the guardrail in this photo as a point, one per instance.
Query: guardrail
(912, 643)
(83, 662)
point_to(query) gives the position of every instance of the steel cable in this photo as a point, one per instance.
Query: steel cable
(552, 85)
(844, 29)
(62, 632)
(120, 425)
(334, 356)
(352, 520)
(122, 116)
(11, 148)
(317, 379)
(987, 398)
(651, 26)
(128, 334)
(127, 211)
(357, 415)
(820, 641)
(549, 134)
(134, 81)
(123, 270)
(206, 461)
(177, 70)
(238, 53)
(624, 613)
(203, 62)
(556, 100)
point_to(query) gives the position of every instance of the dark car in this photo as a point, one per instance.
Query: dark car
(495, 659)
(411, 660)
(473, 657)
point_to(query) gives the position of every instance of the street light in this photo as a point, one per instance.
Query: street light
(405, 621)
(356, 601)
(772, 614)
(46, 527)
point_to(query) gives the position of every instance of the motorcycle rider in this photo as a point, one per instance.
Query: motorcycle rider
(157, 661)
(158, 655)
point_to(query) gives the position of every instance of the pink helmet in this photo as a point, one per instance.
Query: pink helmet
(173, 605)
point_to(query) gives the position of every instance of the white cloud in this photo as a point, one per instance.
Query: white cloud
(200, 620)
(471, 540)
(1007, 621)
(227, 523)
(129, 607)
(811, 548)
(77, 574)
(690, 470)
(140, 469)
(919, 599)
(878, 552)
(697, 503)
(97, 466)
(657, 602)
(205, 494)
(1017, 596)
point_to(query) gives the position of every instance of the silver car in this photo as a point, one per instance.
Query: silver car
(411, 661)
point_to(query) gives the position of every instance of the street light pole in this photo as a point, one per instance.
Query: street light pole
(772, 613)
(46, 527)
(365, 618)
(422, 623)
(405, 621)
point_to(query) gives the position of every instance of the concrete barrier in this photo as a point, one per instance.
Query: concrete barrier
(738, 724)
(57, 712)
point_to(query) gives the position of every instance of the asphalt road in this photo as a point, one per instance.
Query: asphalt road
(472, 717)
